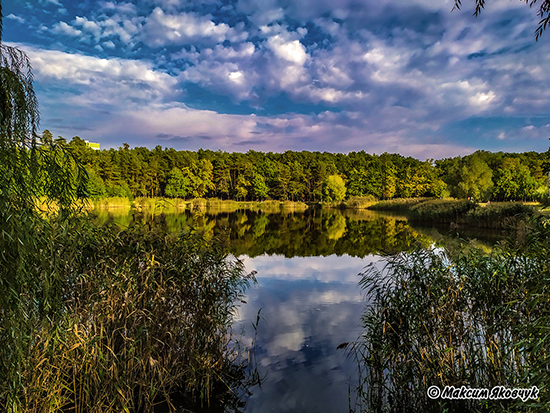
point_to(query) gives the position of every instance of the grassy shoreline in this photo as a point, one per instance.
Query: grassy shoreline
(459, 213)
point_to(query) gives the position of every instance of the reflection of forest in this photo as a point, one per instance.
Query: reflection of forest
(310, 233)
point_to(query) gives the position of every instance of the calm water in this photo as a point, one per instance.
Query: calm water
(309, 305)
(307, 294)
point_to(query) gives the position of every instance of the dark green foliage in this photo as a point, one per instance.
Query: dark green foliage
(149, 313)
(499, 215)
(460, 212)
(178, 185)
(513, 181)
(310, 233)
(302, 176)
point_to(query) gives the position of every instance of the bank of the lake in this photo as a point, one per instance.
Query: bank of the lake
(461, 212)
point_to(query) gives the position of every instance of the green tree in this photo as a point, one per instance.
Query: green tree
(96, 187)
(389, 180)
(282, 182)
(241, 189)
(514, 181)
(259, 188)
(178, 185)
(29, 286)
(221, 178)
(334, 189)
(202, 178)
(474, 178)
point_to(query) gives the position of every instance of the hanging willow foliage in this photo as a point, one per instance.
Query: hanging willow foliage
(92, 319)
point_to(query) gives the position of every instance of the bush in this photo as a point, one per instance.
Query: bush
(469, 319)
(498, 215)
(359, 202)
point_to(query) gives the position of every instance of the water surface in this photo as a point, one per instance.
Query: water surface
(307, 293)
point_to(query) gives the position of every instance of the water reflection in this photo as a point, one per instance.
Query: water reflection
(293, 234)
(309, 306)
(307, 265)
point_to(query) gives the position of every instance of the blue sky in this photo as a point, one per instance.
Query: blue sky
(404, 76)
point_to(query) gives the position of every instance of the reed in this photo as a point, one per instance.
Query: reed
(220, 205)
(358, 202)
(269, 206)
(198, 204)
(293, 205)
(441, 210)
(119, 321)
(397, 204)
(498, 215)
(111, 202)
(467, 318)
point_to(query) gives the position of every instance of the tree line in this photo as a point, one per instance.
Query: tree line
(306, 176)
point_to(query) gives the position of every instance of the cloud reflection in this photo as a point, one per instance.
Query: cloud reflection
(309, 305)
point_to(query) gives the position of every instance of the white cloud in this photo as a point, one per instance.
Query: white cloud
(343, 269)
(18, 19)
(228, 70)
(108, 44)
(88, 26)
(292, 51)
(184, 28)
(95, 31)
(383, 86)
(122, 8)
(64, 29)
(104, 80)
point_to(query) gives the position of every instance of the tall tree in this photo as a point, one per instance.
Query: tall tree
(334, 189)
(514, 181)
(474, 178)
(178, 185)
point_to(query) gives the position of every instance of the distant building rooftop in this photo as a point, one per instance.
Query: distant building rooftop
(92, 145)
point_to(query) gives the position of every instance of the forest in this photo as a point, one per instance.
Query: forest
(305, 176)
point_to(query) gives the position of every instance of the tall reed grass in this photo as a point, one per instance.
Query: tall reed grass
(354, 202)
(441, 210)
(111, 202)
(118, 321)
(359, 202)
(397, 204)
(457, 318)
(498, 215)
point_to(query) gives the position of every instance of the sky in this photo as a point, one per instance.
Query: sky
(398, 76)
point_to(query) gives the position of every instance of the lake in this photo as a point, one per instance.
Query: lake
(307, 294)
